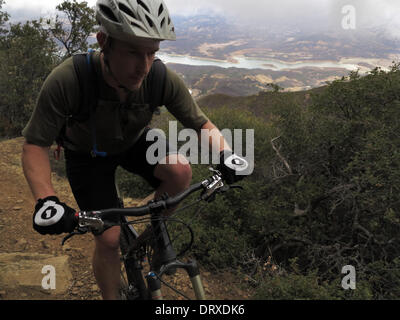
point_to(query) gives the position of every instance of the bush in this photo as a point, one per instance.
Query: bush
(343, 182)
(308, 287)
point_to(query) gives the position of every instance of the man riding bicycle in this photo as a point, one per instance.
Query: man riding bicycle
(129, 37)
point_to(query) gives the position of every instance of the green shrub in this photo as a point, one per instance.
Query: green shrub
(308, 287)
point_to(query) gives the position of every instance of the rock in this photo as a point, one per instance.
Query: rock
(44, 244)
(28, 270)
(22, 243)
(66, 247)
(17, 208)
(44, 291)
(75, 291)
(79, 284)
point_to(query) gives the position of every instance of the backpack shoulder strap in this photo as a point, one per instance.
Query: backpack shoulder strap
(157, 84)
(84, 70)
(83, 64)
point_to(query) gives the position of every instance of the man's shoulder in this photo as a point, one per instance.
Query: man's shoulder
(62, 78)
(60, 90)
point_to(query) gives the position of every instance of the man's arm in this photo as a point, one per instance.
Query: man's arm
(37, 170)
(230, 165)
(216, 140)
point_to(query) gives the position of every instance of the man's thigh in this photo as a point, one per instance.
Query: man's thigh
(92, 180)
(136, 159)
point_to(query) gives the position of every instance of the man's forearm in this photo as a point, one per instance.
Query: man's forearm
(37, 170)
(216, 140)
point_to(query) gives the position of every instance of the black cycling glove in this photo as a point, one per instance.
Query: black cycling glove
(53, 217)
(232, 166)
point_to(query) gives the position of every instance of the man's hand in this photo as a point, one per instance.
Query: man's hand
(231, 166)
(53, 217)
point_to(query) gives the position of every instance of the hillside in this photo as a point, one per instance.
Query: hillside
(261, 104)
(20, 243)
(207, 80)
(281, 47)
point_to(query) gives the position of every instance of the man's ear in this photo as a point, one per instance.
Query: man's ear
(101, 39)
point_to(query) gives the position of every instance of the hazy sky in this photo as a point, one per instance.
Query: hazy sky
(306, 14)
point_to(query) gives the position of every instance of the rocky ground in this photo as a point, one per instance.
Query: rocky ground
(24, 254)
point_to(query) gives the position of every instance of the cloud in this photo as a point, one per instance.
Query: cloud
(321, 15)
(305, 14)
(250, 10)
(21, 10)
(371, 14)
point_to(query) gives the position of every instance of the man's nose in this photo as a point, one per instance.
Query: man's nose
(145, 63)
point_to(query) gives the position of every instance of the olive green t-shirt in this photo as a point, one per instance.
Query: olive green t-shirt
(117, 125)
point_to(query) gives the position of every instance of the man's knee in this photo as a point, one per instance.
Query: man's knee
(183, 170)
(176, 168)
(109, 240)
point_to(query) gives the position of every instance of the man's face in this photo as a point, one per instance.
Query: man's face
(131, 62)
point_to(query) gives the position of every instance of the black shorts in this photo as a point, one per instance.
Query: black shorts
(92, 180)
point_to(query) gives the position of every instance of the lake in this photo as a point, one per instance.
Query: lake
(250, 63)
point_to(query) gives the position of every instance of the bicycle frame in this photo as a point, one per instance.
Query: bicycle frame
(97, 221)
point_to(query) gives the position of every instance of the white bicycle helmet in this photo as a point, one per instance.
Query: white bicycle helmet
(128, 19)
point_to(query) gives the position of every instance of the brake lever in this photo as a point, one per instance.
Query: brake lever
(79, 231)
(227, 187)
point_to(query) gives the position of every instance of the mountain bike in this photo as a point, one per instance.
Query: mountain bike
(156, 246)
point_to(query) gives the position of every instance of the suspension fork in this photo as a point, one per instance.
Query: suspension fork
(193, 271)
(191, 268)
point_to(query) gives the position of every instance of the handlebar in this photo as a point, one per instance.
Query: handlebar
(97, 220)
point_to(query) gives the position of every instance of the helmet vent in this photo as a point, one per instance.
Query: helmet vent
(160, 9)
(138, 26)
(108, 13)
(162, 22)
(125, 9)
(140, 2)
(149, 21)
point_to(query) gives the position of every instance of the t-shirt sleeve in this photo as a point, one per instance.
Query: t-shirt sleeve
(53, 106)
(181, 104)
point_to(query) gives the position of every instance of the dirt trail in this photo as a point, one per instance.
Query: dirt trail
(17, 235)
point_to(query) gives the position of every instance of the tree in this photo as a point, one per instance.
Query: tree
(274, 87)
(3, 16)
(27, 56)
(74, 27)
